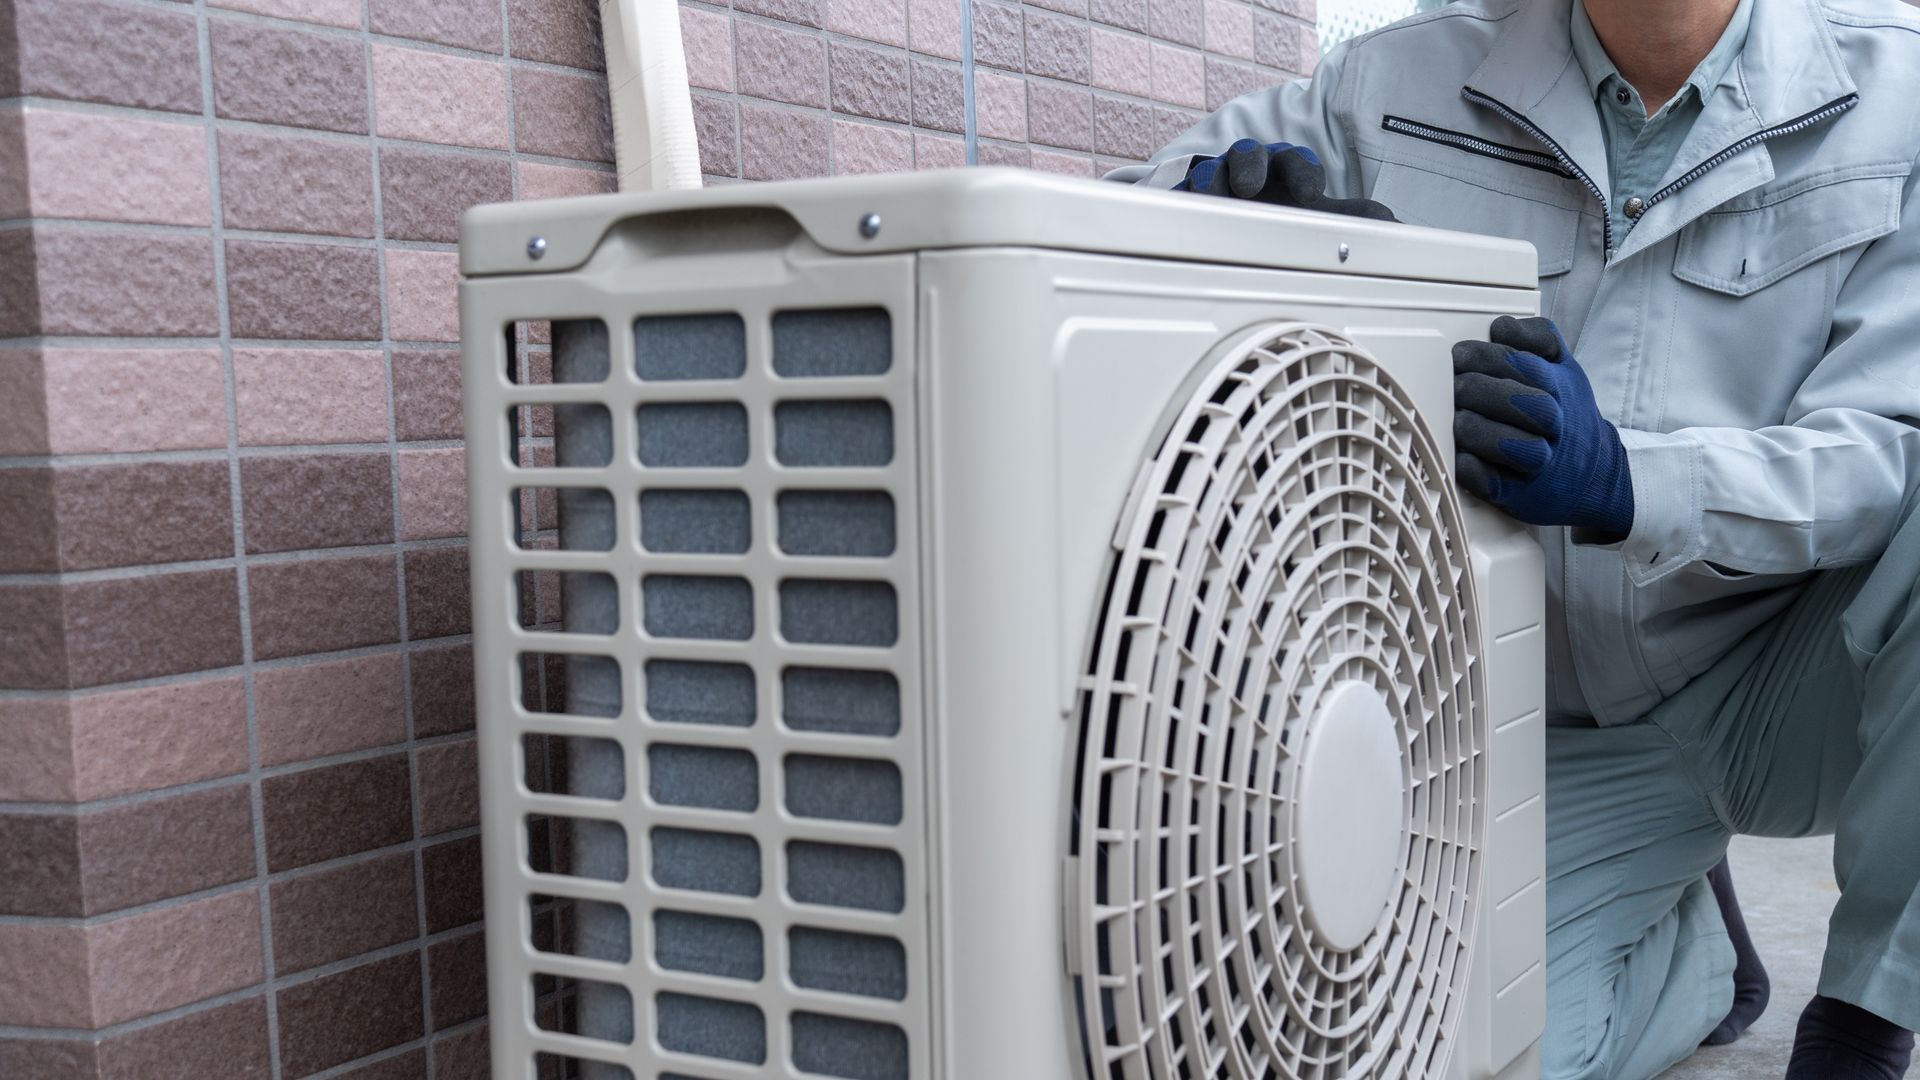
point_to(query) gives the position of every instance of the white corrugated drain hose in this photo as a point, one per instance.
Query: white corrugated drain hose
(654, 145)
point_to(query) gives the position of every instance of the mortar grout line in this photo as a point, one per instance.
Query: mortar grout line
(256, 806)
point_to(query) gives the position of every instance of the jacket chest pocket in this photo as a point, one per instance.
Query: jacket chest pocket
(1761, 275)
(1516, 209)
(1766, 237)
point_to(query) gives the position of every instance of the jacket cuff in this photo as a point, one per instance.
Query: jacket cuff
(1665, 470)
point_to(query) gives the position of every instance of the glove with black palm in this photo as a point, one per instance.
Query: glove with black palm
(1279, 173)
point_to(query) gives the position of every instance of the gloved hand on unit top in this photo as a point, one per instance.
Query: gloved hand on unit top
(1529, 436)
(1279, 173)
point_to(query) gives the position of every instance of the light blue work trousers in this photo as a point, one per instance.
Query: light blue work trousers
(1810, 726)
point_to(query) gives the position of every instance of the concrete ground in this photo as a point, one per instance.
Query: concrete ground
(1787, 891)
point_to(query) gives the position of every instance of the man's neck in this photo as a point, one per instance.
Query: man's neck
(1656, 44)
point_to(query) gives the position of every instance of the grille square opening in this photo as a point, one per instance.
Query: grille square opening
(833, 434)
(847, 963)
(681, 347)
(703, 861)
(577, 847)
(693, 435)
(710, 777)
(840, 701)
(845, 876)
(540, 512)
(831, 343)
(576, 927)
(844, 1047)
(709, 1027)
(573, 765)
(686, 606)
(700, 692)
(708, 945)
(570, 684)
(834, 612)
(843, 789)
(697, 522)
(854, 524)
(583, 602)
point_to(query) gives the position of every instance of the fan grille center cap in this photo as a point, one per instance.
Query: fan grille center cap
(1350, 823)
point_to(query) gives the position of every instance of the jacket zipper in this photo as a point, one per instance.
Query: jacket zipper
(1800, 123)
(1818, 116)
(1473, 144)
(1566, 161)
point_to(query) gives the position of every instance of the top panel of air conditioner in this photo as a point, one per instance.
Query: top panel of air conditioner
(1011, 208)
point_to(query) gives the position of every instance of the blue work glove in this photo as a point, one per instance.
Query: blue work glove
(1279, 173)
(1529, 438)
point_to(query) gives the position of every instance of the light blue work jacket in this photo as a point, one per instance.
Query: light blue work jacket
(1756, 336)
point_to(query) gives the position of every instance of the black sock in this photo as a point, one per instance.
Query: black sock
(1838, 1041)
(1751, 988)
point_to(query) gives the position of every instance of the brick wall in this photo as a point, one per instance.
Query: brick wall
(237, 799)
(236, 756)
(787, 88)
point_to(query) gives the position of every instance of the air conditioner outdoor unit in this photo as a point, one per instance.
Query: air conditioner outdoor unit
(985, 626)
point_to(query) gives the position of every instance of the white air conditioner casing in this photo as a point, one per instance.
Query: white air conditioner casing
(1012, 627)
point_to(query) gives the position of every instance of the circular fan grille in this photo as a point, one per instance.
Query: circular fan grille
(1289, 641)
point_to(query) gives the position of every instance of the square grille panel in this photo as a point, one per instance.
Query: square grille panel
(702, 744)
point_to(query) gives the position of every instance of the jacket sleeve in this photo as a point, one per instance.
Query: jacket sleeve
(1302, 112)
(1827, 487)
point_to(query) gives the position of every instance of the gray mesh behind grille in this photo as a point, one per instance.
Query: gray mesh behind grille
(706, 861)
(846, 963)
(820, 612)
(693, 435)
(690, 346)
(711, 1028)
(708, 944)
(580, 353)
(841, 875)
(838, 342)
(840, 701)
(713, 608)
(849, 523)
(697, 692)
(548, 759)
(608, 940)
(697, 522)
(854, 1049)
(843, 789)
(554, 846)
(704, 776)
(592, 448)
(833, 434)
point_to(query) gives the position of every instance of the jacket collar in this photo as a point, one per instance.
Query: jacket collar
(1790, 67)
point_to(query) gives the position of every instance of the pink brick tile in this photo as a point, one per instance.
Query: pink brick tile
(1227, 80)
(1060, 116)
(933, 27)
(884, 21)
(161, 959)
(782, 144)
(561, 115)
(1054, 161)
(275, 74)
(464, 24)
(1285, 44)
(1229, 28)
(441, 99)
(433, 493)
(1000, 105)
(423, 295)
(782, 65)
(539, 181)
(1179, 76)
(110, 972)
(934, 152)
(36, 750)
(126, 741)
(1057, 47)
(292, 396)
(100, 281)
(716, 123)
(449, 777)
(325, 12)
(708, 39)
(1122, 62)
(870, 148)
(23, 402)
(110, 168)
(116, 400)
(315, 710)
(1177, 21)
(44, 982)
(275, 183)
